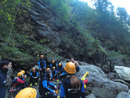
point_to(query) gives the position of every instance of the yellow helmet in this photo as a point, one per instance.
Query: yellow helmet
(53, 67)
(59, 64)
(27, 93)
(47, 69)
(22, 71)
(33, 69)
(53, 61)
(19, 74)
(70, 68)
(41, 56)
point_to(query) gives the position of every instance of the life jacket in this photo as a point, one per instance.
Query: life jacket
(69, 91)
(53, 72)
(42, 63)
(34, 74)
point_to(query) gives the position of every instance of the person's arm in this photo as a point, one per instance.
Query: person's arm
(31, 75)
(20, 81)
(62, 93)
(44, 64)
(51, 84)
(44, 83)
(37, 74)
(55, 73)
(39, 64)
(82, 91)
(50, 65)
(64, 73)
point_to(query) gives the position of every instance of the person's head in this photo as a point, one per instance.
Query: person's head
(54, 68)
(47, 69)
(27, 93)
(48, 73)
(22, 71)
(34, 69)
(59, 64)
(70, 68)
(20, 74)
(41, 56)
(72, 60)
(53, 61)
(4, 64)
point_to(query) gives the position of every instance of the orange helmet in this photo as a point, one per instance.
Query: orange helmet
(22, 71)
(53, 67)
(59, 64)
(19, 74)
(27, 93)
(33, 69)
(47, 69)
(70, 68)
(53, 61)
(41, 56)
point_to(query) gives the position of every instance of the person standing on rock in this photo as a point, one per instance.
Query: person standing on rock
(42, 65)
(4, 66)
(76, 64)
(71, 87)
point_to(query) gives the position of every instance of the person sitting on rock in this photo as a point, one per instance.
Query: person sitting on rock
(59, 68)
(18, 83)
(42, 65)
(71, 86)
(76, 64)
(54, 73)
(46, 88)
(53, 64)
(34, 77)
(23, 71)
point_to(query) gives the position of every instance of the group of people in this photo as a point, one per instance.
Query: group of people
(71, 86)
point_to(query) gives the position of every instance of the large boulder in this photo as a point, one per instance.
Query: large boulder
(123, 95)
(99, 84)
(91, 69)
(123, 72)
(90, 96)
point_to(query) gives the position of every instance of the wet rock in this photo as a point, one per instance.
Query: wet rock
(123, 72)
(123, 95)
(91, 69)
(90, 96)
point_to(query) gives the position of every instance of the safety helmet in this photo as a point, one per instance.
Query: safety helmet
(33, 69)
(70, 68)
(22, 71)
(53, 61)
(27, 93)
(53, 67)
(47, 69)
(59, 64)
(41, 56)
(19, 74)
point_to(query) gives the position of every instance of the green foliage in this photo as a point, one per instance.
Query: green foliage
(61, 9)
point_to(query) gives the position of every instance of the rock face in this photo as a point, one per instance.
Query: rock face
(123, 72)
(98, 83)
(123, 95)
(90, 96)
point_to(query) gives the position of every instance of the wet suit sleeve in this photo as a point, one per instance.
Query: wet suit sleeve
(62, 93)
(39, 64)
(44, 83)
(31, 75)
(50, 65)
(82, 91)
(63, 73)
(37, 74)
(44, 64)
